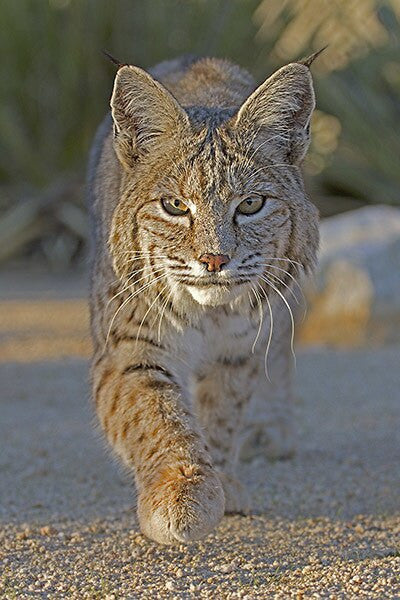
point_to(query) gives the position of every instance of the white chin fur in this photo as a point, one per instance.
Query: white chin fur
(213, 295)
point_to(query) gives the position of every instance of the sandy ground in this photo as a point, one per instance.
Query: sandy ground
(326, 524)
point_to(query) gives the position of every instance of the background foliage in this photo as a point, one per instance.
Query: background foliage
(56, 87)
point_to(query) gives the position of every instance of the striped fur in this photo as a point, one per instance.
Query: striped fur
(179, 352)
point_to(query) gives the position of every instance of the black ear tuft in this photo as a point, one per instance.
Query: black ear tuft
(308, 61)
(114, 60)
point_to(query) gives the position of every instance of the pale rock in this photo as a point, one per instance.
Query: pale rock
(355, 297)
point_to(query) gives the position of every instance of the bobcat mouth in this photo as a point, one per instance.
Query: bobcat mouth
(212, 281)
(210, 291)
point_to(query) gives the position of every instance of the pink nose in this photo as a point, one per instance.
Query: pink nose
(214, 262)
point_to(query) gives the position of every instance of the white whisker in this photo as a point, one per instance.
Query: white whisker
(163, 312)
(130, 297)
(294, 262)
(291, 316)
(134, 282)
(271, 327)
(304, 300)
(279, 280)
(250, 300)
(142, 256)
(261, 319)
(147, 312)
(286, 273)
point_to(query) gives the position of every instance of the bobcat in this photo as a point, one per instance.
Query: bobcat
(201, 225)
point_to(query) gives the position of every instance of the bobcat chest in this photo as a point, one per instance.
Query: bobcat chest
(219, 337)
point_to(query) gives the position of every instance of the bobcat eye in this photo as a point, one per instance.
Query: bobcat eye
(250, 205)
(175, 207)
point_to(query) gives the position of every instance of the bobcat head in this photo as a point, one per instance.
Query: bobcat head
(212, 195)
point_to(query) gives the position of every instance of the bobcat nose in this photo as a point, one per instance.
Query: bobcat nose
(214, 262)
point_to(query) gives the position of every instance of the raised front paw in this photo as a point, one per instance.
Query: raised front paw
(183, 503)
(237, 500)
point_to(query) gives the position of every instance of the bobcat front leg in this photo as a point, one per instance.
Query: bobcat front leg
(141, 410)
(222, 393)
(270, 422)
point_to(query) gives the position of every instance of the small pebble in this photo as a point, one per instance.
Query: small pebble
(226, 568)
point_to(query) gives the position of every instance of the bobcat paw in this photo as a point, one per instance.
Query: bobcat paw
(276, 440)
(237, 500)
(279, 440)
(184, 503)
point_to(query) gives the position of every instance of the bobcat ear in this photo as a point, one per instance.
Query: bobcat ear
(142, 111)
(279, 112)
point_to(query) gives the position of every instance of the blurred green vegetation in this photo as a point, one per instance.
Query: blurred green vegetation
(56, 86)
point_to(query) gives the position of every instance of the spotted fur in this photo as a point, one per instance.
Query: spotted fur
(179, 352)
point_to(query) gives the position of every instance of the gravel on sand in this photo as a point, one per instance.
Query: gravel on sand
(325, 524)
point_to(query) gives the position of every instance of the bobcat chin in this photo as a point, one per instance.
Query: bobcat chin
(201, 230)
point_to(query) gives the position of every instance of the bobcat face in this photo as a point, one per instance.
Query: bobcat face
(212, 199)
(214, 223)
